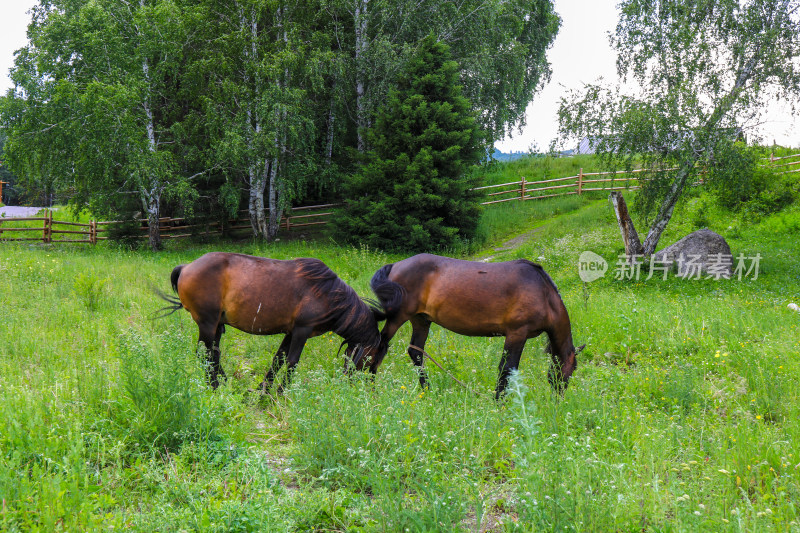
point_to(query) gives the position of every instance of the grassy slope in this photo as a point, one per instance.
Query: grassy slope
(683, 413)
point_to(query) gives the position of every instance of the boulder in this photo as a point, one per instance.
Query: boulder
(701, 253)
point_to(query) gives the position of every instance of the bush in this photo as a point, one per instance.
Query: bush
(741, 181)
(775, 192)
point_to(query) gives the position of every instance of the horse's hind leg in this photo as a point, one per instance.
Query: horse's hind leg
(277, 362)
(512, 352)
(210, 335)
(419, 335)
(218, 370)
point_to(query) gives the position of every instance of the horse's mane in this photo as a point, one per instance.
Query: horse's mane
(352, 318)
(540, 269)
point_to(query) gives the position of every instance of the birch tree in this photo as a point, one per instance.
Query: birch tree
(266, 59)
(707, 69)
(94, 103)
(499, 45)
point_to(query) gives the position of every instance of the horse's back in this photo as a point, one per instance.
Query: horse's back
(427, 272)
(476, 298)
(243, 291)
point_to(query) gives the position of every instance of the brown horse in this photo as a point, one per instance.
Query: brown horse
(515, 299)
(301, 298)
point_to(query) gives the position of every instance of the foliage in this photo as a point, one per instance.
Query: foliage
(413, 193)
(169, 107)
(742, 178)
(98, 109)
(11, 188)
(500, 47)
(704, 71)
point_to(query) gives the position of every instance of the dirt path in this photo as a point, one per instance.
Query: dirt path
(11, 211)
(511, 244)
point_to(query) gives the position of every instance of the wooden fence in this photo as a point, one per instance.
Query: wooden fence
(49, 230)
(583, 182)
(593, 181)
(785, 163)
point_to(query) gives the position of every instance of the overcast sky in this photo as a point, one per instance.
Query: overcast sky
(581, 54)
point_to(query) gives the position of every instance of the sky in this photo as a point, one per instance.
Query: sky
(580, 54)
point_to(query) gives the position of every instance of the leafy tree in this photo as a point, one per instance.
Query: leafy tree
(10, 192)
(500, 47)
(706, 69)
(267, 57)
(99, 106)
(413, 193)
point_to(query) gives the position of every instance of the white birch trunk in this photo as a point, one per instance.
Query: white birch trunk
(256, 173)
(361, 47)
(331, 124)
(274, 209)
(258, 219)
(280, 141)
(667, 207)
(151, 195)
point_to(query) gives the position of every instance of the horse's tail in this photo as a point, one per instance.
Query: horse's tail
(176, 273)
(175, 304)
(389, 293)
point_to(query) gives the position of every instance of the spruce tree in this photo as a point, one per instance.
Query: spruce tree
(414, 191)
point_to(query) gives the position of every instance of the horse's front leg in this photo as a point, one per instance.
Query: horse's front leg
(419, 335)
(512, 352)
(299, 336)
(277, 362)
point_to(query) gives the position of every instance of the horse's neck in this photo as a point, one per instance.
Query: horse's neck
(353, 327)
(561, 340)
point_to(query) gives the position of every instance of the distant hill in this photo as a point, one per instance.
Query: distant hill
(510, 156)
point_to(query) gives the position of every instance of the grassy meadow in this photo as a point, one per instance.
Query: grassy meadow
(683, 413)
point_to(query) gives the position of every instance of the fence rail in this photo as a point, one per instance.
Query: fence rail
(525, 190)
(781, 162)
(50, 230)
(176, 228)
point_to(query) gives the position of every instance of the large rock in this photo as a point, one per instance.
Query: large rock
(702, 252)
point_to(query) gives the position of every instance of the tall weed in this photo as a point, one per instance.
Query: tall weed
(165, 400)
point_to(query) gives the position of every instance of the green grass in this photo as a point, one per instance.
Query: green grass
(535, 168)
(682, 415)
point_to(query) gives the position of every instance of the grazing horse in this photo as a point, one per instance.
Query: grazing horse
(516, 300)
(301, 298)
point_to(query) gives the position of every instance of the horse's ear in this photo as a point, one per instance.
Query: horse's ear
(580, 348)
(378, 314)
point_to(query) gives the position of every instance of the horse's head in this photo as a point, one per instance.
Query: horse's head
(564, 364)
(366, 346)
(366, 357)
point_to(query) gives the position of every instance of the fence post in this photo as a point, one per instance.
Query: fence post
(47, 230)
(522, 189)
(93, 232)
(288, 224)
(771, 157)
(580, 181)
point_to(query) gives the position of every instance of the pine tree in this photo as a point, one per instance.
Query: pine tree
(414, 191)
